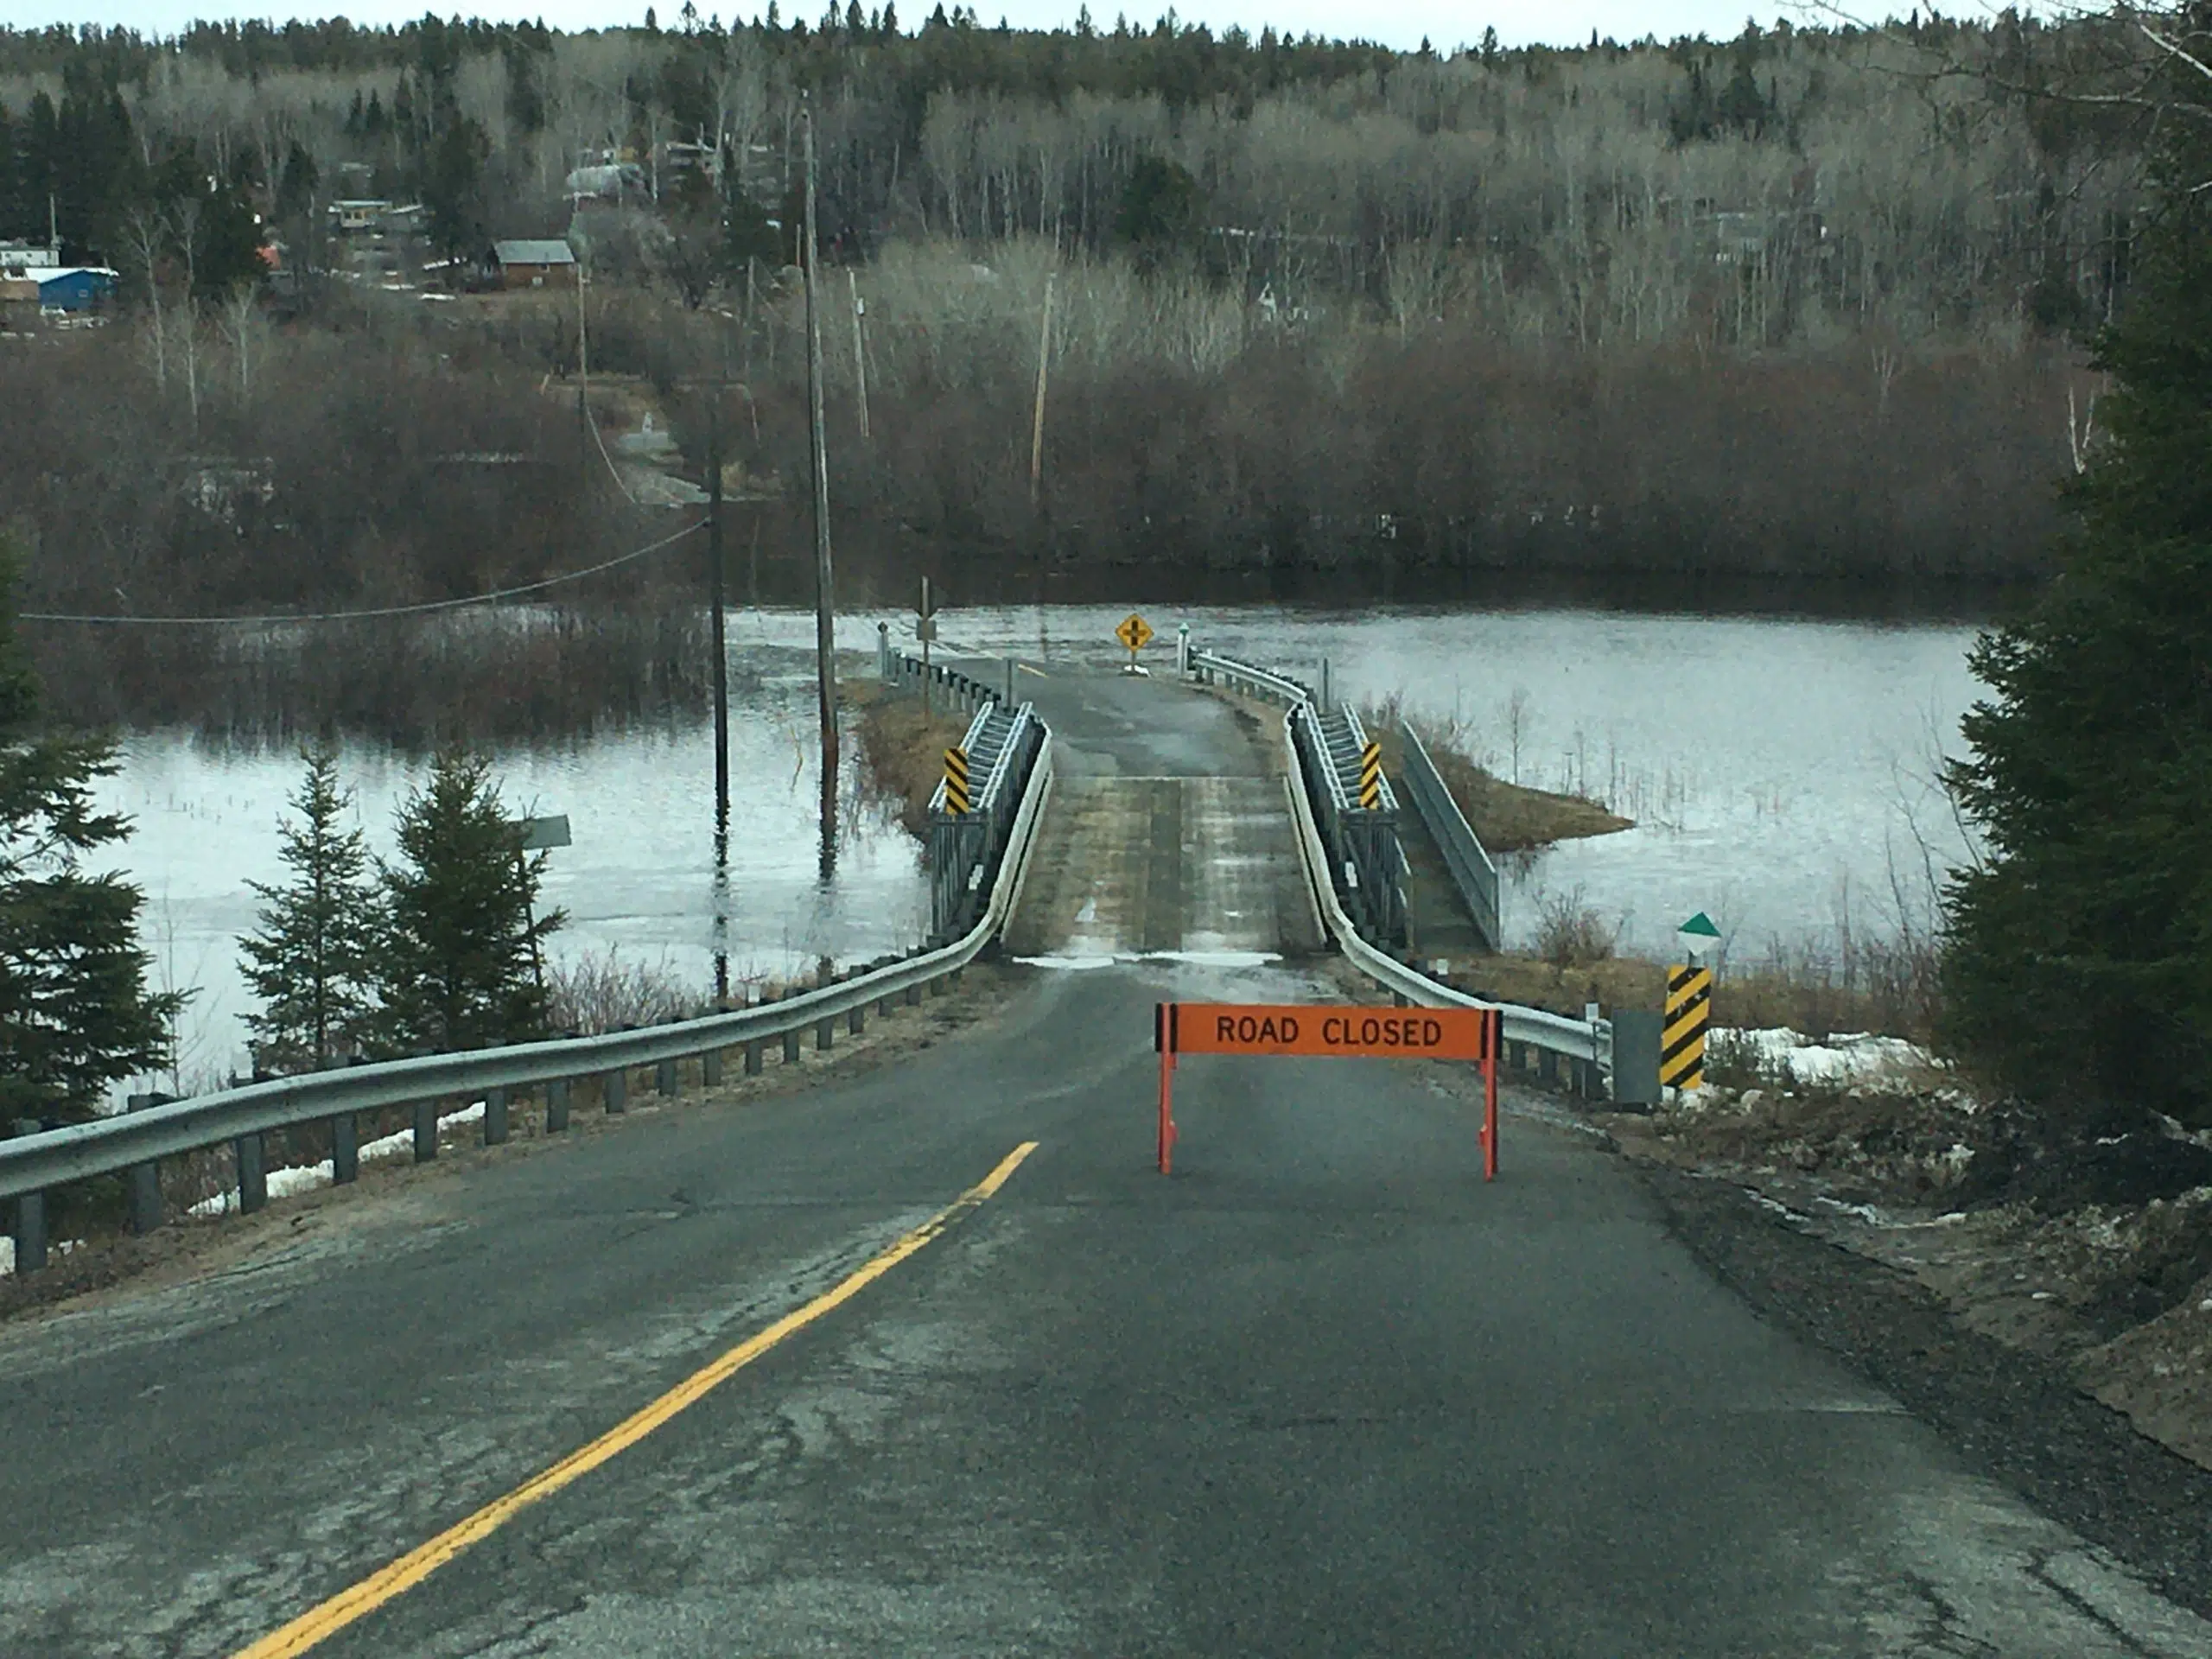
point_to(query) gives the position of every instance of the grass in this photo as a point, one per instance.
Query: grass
(902, 749)
(1505, 817)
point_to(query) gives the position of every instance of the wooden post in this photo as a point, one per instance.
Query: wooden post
(825, 603)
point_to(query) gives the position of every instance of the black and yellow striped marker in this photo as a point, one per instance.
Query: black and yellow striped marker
(1370, 777)
(956, 781)
(1682, 1035)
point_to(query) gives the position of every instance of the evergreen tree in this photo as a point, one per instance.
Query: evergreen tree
(75, 1014)
(456, 966)
(2078, 967)
(312, 962)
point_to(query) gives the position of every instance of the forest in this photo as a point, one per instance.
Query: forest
(1805, 304)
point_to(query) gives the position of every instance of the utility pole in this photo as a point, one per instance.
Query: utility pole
(860, 345)
(825, 606)
(1044, 364)
(927, 630)
(715, 602)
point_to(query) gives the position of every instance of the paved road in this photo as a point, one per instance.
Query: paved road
(1323, 1392)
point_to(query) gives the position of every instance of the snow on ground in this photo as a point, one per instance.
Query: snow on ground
(303, 1177)
(62, 1246)
(1845, 1058)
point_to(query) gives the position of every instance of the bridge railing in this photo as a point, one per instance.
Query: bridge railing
(1465, 856)
(965, 847)
(1587, 1046)
(32, 1166)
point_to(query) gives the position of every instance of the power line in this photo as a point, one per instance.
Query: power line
(389, 610)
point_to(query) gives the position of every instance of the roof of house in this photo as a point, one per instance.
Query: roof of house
(44, 274)
(533, 251)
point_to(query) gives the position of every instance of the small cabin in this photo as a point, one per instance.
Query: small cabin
(534, 262)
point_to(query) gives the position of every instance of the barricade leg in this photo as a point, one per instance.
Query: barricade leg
(1167, 1110)
(1489, 1096)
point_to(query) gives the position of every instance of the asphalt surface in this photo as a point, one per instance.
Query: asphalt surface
(1321, 1392)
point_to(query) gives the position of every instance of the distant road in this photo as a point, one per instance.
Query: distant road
(1322, 1392)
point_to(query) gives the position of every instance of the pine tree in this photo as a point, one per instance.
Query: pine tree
(456, 966)
(2078, 967)
(75, 1014)
(311, 963)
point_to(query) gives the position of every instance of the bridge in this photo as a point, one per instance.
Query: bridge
(919, 1356)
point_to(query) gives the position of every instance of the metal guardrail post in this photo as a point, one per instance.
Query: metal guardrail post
(29, 1223)
(664, 1078)
(142, 1183)
(495, 1118)
(825, 1033)
(614, 1090)
(344, 1149)
(710, 1069)
(856, 1020)
(426, 1131)
(557, 1106)
(250, 1153)
(791, 1046)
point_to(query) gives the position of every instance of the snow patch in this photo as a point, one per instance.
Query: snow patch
(1845, 1058)
(305, 1178)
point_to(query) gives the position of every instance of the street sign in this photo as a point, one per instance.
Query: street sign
(1699, 935)
(1135, 633)
(926, 630)
(540, 834)
(1330, 1031)
(956, 781)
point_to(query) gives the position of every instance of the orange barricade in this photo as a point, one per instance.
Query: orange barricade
(1326, 1031)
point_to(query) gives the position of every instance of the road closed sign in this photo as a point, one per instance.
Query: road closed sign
(1324, 1032)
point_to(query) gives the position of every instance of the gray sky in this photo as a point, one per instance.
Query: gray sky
(1395, 22)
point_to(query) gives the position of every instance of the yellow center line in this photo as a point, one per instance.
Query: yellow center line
(323, 1621)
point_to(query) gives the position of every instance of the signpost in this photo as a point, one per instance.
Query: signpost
(538, 835)
(1136, 634)
(1689, 1006)
(925, 631)
(1328, 1031)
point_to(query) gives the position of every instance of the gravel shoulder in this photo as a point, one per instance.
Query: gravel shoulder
(2050, 1345)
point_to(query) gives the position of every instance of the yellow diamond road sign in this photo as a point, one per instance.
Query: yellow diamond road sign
(1134, 631)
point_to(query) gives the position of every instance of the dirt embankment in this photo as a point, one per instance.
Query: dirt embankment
(2089, 1248)
(1505, 817)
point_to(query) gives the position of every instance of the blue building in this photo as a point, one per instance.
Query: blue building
(73, 287)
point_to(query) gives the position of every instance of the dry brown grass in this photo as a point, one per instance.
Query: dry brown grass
(902, 749)
(1505, 817)
(1757, 999)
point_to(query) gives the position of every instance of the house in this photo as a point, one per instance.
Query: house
(353, 218)
(17, 258)
(73, 287)
(535, 263)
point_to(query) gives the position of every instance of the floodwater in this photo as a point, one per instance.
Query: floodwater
(1781, 770)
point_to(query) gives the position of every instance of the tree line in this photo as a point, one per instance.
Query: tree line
(1786, 187)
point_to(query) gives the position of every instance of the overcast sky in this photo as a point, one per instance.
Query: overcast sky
(1395, 22)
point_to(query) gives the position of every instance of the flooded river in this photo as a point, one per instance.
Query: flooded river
(1780, 771)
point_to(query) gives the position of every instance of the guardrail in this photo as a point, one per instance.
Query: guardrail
(1585, 1046)
(895, 667)
(1363, 842)
(1470, 865)
(31, 1166)
(965, 846)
